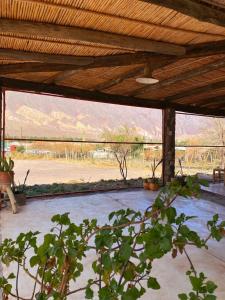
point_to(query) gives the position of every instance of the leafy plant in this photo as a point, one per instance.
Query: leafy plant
(6, 165)
(125, 250)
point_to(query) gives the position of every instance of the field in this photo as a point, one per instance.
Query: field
(59, 171)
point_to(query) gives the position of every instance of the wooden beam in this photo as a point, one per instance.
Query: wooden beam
(56, 79)
(83, 62)
(195, 91)
(160, 61)
(156, 61)
(86, 35)
(74, 93)
(33, 67)
(205, 49)
(119, 79)
(27, 56)
(212, 101)
(168, 136)
(195, 9)
(181, 77)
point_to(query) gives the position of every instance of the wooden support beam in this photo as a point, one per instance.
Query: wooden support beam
(180, 77)
(195, 9)
(26, 56)
(80, 62)
(169, 127)
(213, 101)
(205, 49)
(74, 93)
(86, 35)
(156, 61)
(118, 79)
(195, 91)
(56, 79)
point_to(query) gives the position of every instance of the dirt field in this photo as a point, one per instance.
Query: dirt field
(50, 171)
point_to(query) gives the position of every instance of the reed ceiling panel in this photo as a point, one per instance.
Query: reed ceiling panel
(133, 18)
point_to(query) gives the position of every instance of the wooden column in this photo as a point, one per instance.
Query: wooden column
(2, 122)
(169, 126)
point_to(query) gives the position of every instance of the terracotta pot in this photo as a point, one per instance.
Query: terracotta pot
(20, 199)
(153, 186)
(6, 179)
(146, 185)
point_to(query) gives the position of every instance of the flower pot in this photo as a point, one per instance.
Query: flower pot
(6, 179)
(153, 186)
(20, 199)
(146, 185)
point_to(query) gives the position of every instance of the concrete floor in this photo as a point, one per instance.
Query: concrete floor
(170, 273)
(216, 188)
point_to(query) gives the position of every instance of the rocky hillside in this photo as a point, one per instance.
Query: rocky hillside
(46, 116)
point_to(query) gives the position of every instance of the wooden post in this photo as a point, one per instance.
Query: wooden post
(2, 122)
(169, 126)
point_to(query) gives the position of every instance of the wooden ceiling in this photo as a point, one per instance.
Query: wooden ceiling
(95, 50)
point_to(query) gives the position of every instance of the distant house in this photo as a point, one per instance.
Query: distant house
(101, 154)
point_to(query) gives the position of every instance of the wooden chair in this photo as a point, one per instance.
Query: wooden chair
(218, 175)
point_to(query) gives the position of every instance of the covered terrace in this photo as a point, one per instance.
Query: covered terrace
(96, 51)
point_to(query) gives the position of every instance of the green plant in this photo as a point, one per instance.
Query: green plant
(6, 165)
(154, 167)
(20, 188)
(125, 251)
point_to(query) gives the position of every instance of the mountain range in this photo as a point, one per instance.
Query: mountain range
(30, 115)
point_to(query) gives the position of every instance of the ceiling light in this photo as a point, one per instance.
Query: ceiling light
(147, 78)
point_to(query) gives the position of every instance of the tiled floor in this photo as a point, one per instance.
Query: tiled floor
(170, 273)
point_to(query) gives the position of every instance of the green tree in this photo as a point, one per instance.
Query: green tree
(119, 140)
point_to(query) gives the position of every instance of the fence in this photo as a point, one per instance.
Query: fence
(89, 161)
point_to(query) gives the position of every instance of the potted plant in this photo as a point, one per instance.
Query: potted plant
(146, 184)
(181, 178)
(19, 191)
(6, 173)
(153, 182)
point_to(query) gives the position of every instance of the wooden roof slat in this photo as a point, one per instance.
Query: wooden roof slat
(81, 34)
(195, 9)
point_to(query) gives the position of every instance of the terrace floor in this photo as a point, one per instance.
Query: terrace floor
(170, 273)
(216, 188)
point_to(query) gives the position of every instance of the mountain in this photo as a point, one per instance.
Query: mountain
(30, 115)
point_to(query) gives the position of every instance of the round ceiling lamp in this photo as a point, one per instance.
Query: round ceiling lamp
(147, 78)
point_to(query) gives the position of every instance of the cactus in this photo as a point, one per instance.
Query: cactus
(6, 165)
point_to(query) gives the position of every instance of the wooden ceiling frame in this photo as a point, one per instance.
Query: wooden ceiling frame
(209, 67)
(55, 32)
(68, 65)
(196, 9)
(119, 17)
(100, 97)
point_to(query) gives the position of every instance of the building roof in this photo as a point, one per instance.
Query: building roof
(95, 50)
